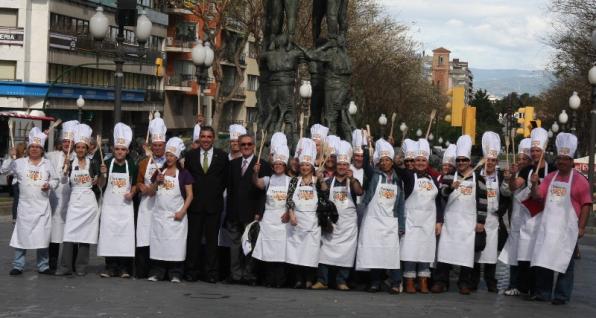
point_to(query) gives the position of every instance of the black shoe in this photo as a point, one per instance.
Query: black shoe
(211, 280)
(299, 285)
(46, 272)
(15, 272)
(558, 302)
(251, 282)
(534, 298)
(373, 289)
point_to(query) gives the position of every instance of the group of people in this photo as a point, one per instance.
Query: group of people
(335, 214)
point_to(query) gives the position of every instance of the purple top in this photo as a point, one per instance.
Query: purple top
(184, 178)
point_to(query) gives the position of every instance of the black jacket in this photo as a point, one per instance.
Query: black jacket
(244, 199)
(209, 187)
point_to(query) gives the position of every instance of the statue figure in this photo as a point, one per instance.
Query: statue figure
(336, 12)
(338, 70)
(317, 80)
(282, 65)
(276, 11)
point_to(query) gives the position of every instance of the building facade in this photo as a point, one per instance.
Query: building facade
(445, 74)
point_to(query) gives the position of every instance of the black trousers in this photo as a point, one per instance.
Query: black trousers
(489, 275)
(241, 266)
(119, 265)
(166, 269)
(442, 275)
(142, 262)
(54, 253)
(304, 274)
(275, 273)
(526, 277)
(75, 257)
(199, 225)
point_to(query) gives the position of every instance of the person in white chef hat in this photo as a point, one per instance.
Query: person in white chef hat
(271, 243)
(318, 134)
(465, 215)
(117, 229)
(235, 132)
(36, 177)
(332, 143)
(408, 148)
(567, 202)
(169, 224)
(383, 221)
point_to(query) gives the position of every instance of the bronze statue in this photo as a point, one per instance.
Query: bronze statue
(317, 80)
(336, 13)
(277, 11)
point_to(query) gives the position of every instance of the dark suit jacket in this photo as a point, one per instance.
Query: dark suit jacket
(244, 199)
(208, 187)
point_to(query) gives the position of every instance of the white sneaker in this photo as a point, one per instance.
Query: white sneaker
(512, 292)
(175, 280)
(152, 279)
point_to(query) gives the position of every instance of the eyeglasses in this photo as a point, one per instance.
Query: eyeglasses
(462, 160)
(247, 144)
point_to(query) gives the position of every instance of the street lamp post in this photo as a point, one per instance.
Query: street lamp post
(383, 124)
(592, 79)
(563, 118)
(306, 93)
(202, 58)
(98, 27)
(80, 104)
(574, 103)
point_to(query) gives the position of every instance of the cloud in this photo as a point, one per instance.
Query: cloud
(501, 34)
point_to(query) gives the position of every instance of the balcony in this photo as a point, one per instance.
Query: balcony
(177, 45)
(229, 60)
(11, 36)
(234, 25)
(176, 6)
(239, 95)
(179, 82)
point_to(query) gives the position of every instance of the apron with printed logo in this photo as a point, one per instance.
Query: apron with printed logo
(304, 239)
(146, 208)
(491, 226)
(527, 232)
(59, 200)
(82, 218)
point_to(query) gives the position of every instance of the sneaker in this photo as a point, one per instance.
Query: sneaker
(512, 292)
(106, 274)
(343, 287)
(175, 280)
(152, 279)
(319, 286)
(15, 272)
(125, 275)
(80, 274)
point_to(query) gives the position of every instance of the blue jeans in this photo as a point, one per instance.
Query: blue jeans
(42, 259)
(413, 268)
(394, 276)
(340, 277)
(563, 287)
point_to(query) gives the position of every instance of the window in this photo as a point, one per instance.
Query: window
(253, 83)
(251, 114)
(9, 17)
(252, 50)
(8, 70)
(441, 60)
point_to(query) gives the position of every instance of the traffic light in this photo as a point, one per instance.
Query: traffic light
(159, 70)
(458, 103)
(526, 118)
(469, 122)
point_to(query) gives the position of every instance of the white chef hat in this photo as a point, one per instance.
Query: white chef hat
(539, 138)
(68, 129)
(318, 132)
(236, 131)
(449, 155)
(524, 147)
(278, 139)
(383, 149)
(344, 152)
(122, 135)
(308, 153)
(491, 145)
(36, 137)
(83, 134)
(332, 142)
(409, 148)
(281, 153)
(299, 147)
(464, 147)
(358, 141)
(566, 144)
(157, 130)
(422, 148)
(175, 146)
(196, 133)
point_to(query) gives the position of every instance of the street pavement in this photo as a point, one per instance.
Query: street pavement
(34, 295)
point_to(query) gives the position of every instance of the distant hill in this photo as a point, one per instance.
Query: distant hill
(502, 82)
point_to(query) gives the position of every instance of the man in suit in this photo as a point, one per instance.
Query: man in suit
(209, 168)
(245, 204)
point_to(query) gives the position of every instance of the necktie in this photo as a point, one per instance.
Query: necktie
(244, 166)
(205, 162)
(389, 178)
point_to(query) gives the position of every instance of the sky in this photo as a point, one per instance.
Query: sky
(489, 34)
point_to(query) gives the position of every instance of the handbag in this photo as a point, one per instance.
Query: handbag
(480, 241)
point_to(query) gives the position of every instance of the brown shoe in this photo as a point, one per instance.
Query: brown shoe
(465, 291)
(319, 286)
(342, 287)
(410, 287)
(423, 284)
(438, 288)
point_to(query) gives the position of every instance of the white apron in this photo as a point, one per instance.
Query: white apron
(168, 236)
(491, 226)
(509, 253)
(378, 242)
(304, 240)
(271, 242)
(34, 224)
(527, 232)
(556, 235)
(82, 218)
(117, 229)
(146, 207)
(419, 243)
(456, 244)
(339, 247)
(59, 200)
